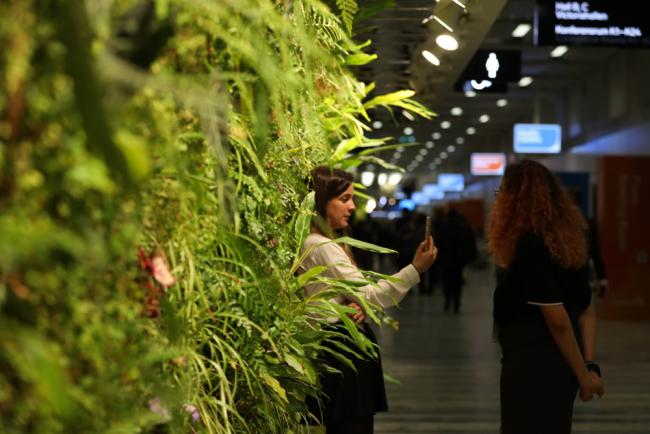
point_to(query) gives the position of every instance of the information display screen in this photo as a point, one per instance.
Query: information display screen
(451, 181)
(487, 164)
(594, 22)
(537, 138)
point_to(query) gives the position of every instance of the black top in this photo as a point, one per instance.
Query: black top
(532, 279)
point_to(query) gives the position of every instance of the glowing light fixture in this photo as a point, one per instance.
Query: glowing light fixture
(408, 115)
(408, 131)
(394, 178)
(377, 125)
(525, 81)
(456, 111)
(429, 144)
(423, 152)
(484, 118)
(443, 155)
(559, 51)
(371, 205)
(436, 136)
(445, 124)
(451, 148)
(470, 94)
(367, 178)
(460, 140)
(502, 102)
(521, 30)
(381, 179)
(471, 130)
(459, 3)
(443, 24)
(431, 58)
(447, 42)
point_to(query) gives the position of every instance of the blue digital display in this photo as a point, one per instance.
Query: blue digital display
(451, 181)
(537, 138)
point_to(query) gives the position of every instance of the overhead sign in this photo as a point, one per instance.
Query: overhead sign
(595, 22)
(490, 71)
(433, 191)
(537, 138)
(451, 181)
(483, 164)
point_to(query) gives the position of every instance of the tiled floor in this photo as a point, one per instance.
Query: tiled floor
(448, 370)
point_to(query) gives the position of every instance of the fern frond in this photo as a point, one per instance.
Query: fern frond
(348, 9)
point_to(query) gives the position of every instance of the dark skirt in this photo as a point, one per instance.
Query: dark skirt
(538, 388)
(351, 394)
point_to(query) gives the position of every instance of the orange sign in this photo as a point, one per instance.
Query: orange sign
(488, 163)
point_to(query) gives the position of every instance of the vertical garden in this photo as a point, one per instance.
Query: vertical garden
(153, 158)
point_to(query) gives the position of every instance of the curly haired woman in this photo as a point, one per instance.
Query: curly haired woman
(545, 322)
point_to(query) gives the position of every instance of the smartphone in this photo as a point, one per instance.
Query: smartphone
(427, 228)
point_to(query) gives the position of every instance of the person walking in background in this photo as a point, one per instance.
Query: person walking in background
(352, 395)
(544, 319)
(458, 249)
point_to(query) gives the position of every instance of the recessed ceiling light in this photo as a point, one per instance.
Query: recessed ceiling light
(460, 140)
(427, 19)
(456, 111)
(400, 149)
(484, 118)
(419, 158)
(437, 161)
(451, 148)
(429, 144)
(447, 42)
(443, 24)
(423, 152)
(525, 81)
(445, 124)
(459, 4)
(443, 155)
(471, 130)
(521, 30)
(436, 136)
(431, 58)
(502, 102)
(408, 115)
(559, 51)
(397, 156)
(470, 94)
(377, 125)
(408, 131)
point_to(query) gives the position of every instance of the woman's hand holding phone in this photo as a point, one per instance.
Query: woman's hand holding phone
(427, 252)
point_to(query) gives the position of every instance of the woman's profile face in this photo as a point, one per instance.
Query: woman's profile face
(339, 209)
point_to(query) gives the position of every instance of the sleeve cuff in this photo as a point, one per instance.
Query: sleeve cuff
(537, 303)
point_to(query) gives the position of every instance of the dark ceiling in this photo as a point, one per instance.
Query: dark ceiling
(399, 36)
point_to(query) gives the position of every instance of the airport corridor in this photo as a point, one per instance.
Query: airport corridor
(448, 369)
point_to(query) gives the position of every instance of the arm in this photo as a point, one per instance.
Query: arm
(559, 325)
(385, 293)
(587, 326)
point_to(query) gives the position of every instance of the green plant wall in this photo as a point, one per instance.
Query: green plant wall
(153, 161)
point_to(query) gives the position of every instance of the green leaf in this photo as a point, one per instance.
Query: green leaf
(363, 245)
(309, 274)
(275, 386)
(359, 59)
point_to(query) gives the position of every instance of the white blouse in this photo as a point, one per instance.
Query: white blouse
(325, 252)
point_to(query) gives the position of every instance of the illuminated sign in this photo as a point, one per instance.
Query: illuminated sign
(433, 191)
(483, 164)
(451, 181)
(595, 22)
(490, 71)
(537, 138)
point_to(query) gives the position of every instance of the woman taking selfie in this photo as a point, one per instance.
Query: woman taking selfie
(545, 322)
(354, 395)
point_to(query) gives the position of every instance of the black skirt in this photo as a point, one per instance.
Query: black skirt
(351, 394)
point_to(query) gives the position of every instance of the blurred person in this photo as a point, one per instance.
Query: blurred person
(352, 395)
(458, 249)
(545, 322)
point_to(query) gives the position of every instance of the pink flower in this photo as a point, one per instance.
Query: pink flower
(161, 272)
